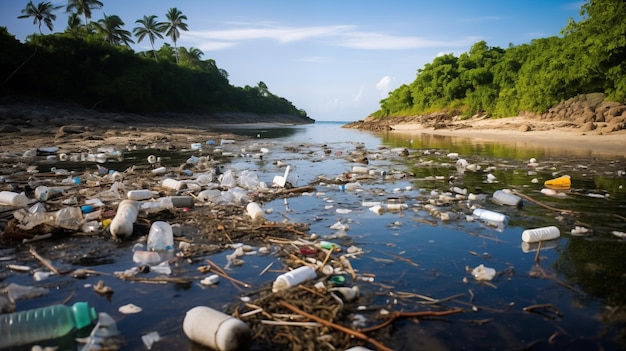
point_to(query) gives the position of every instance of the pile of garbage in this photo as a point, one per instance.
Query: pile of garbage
(201, 207)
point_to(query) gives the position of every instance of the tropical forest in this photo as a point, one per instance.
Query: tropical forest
(91, 63)
(588, 57)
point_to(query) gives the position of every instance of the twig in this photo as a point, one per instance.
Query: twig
(221, 273)
(536, 202)
(266, 269)
(546, 306)
(44, 261)
(349, 331)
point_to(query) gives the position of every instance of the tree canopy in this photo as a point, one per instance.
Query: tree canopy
(94, 65)
(589, 57)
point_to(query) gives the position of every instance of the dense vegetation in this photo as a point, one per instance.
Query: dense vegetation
(589, 57)
(92, 63)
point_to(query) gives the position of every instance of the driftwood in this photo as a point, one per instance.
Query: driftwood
(349, 331)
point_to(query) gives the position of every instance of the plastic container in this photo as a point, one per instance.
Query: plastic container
(293, 278)
(560, 182)
(216, 330)
(255, 211)
(173, 184)
(359, 169)
(487, 215)
(540, 234)
(25, 327)
(502, 197)
(140, 194)
(160, 237)
(122, 224)
(13, 199)
(43, 193)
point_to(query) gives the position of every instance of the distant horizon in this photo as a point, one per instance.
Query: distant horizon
(332, 59)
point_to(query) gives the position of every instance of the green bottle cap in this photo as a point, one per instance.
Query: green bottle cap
(83, 314)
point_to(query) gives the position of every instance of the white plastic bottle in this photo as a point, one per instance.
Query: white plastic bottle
(216, 330)
(255, 211)
(293, 278)
(139, 194)
(502, 197)
(173, 184)
(122, 223)
(13, 199)
(487, 215)
(540, 234)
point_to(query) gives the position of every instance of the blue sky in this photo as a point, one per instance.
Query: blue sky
(335, 59)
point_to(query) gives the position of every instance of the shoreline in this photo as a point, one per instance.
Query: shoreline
(613, 144)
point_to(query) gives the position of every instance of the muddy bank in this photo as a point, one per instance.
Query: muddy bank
(34, 123)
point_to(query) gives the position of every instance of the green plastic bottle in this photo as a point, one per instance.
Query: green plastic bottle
(25, 327)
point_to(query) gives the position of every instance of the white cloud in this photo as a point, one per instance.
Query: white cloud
(338, 35)
(384, 85)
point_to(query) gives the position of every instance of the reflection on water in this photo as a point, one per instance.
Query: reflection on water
(513, 149)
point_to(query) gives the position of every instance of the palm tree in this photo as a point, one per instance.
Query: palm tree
(111, 28)
(190, 57)
(73, 23)
(40, 13)
(83, 7)
(151, 28)
(175, 22)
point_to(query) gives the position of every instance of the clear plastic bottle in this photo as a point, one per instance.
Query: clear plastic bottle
(502, 197)
(25, 327)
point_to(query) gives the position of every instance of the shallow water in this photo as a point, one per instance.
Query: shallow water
(412, 252)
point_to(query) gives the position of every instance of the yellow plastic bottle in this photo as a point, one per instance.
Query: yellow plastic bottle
(560, 182)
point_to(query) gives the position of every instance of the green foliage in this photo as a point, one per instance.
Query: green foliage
(589, 57)
(86, 69)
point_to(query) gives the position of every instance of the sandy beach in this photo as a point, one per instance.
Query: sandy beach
(544, 134)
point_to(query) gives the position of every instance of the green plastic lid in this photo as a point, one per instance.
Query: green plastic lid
(83, 314)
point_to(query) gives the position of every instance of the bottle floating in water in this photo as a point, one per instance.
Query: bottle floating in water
(25, 327)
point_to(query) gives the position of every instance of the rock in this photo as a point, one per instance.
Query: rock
(524, 128)
(587, 127)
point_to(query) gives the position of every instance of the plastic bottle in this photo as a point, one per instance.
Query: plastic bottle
(43, 193)
(69, 217)
(122, 224)
(44, 323)
(502, 197)
(560, 182)
(255, 211)
(140, 194)
(173, 184)
(216, 330)
(13, 199)
(160, 237)
(293, 278)
(487, 215)
(540, 234)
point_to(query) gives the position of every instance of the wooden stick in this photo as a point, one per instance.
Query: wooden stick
(335, 326)
(44, 261)
(221, 273)
(536, 202)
